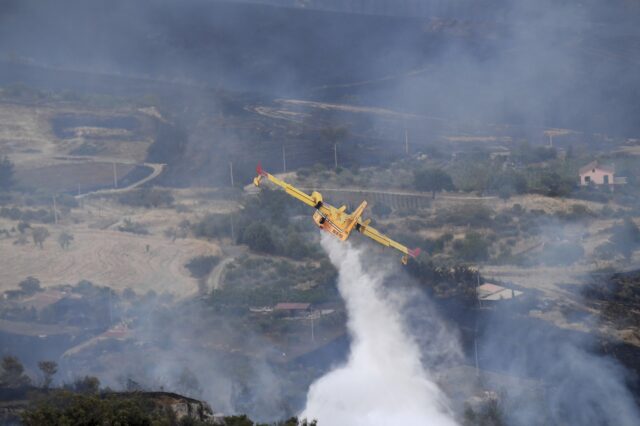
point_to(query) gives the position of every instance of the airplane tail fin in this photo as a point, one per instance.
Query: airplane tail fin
(260, 171)
(412, 253)
(358, 212)
(353, 217)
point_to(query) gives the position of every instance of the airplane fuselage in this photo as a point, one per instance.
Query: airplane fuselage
(329, 225)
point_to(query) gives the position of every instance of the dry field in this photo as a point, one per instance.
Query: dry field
(105, 256)
(82, 155)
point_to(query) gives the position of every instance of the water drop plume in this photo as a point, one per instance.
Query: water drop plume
(383, 381)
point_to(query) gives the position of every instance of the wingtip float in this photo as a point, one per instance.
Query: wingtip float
(336, 221)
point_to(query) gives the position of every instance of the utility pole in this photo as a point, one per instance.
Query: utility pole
(284, 160)
(231, 172)
(335, 155)
(313, 336)
(406, 141)
(115, 175)
(475, 329)
(55, 211)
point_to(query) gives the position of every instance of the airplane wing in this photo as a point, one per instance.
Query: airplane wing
(380, 238)
(313, 200)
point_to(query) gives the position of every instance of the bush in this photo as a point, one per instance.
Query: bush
(432, 180)
(475, 215)
(554, 185)
(577, 212)
(67, 408)
(258, 237)
(133, 227)
(30, 286)
(213, 226)
(295, 247)
(201, 266)
(145, 197)
(6, 174)
(27, 215)
(472, 248)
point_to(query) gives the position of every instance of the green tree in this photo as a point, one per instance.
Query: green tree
(64, 239)
(86, 384)
(49, 369)
(505, 193)
(554, 185)
(6, 174)
(30, 285)
(23, 226)
(433, 180)
(12, 374)
(201, 266)
(258, 237)
(66, 408)
(39, 235)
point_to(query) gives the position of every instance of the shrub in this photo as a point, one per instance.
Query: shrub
(432, 180)
(258, 237)
(471, 214)
(472, 248)
(6, 174)
(133, 227)
(213, 226)
(30, 286)
(201, 266)
(145, 197)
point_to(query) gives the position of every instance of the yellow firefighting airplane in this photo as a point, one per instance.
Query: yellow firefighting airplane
(335, 221)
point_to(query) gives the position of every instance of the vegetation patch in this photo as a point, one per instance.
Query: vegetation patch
(147, 197)
(201, 266)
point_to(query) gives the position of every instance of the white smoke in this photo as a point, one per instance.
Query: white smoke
(383, 381)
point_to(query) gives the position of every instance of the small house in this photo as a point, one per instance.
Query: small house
(293, 309)
(489, 292)
(599, 175)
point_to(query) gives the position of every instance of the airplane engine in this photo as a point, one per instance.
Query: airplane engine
(317, 197)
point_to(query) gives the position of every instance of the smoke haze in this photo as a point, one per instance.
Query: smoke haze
(383, 381)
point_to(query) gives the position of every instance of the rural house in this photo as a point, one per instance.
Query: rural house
(596, 174)
(294, 309)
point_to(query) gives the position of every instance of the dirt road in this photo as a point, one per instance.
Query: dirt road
(157, 169)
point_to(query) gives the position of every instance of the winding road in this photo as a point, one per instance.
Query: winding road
(157, 169)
